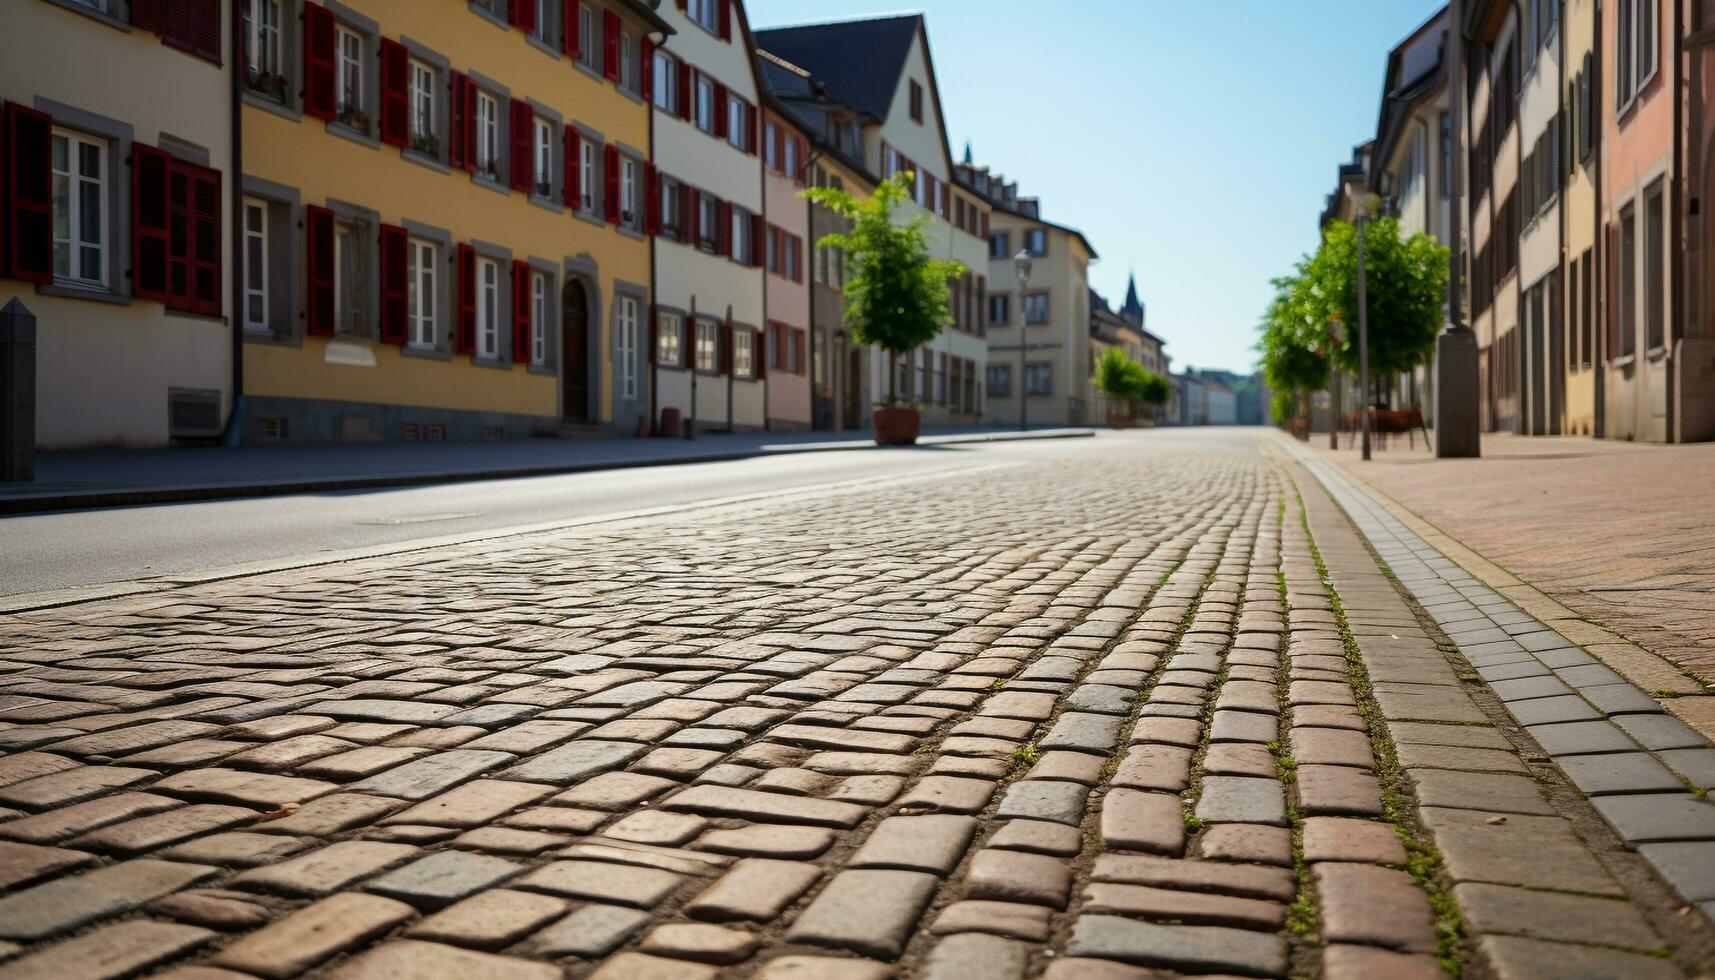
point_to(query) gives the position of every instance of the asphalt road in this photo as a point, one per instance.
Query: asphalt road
(69, 549)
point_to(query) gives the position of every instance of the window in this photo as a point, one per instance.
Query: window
(586, 176)
(1636, 49)
(1000, 245)
(538, 318)
(350, 276)
(999, 313)
(794, 258)
(743, 350)
(737, 123)
(422, 96)
(705, 103)
(1655, 271)
(488, 135)
(708, 223)
(796, 340)
(625, 345)
(743, 247)
(350, 107)
(588, 49)
(791, 161)
(1628, 298)
(1035, 308)
(262, 61)
(666, 82)
(1000, 380)
(80, 209)
(630, 64)
(1585, 299)
(706, 13)
(544, 157)
(1036, 241)
(708, 353)
(916, 102)
(669, 348)
(255, 265)
(671, 207)
(1039, 379)
(630, 194)
(771, 145)
(544, 19)
(421, 267)
(487, 308)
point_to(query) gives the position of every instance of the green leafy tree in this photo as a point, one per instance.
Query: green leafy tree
(1156, 389)
(896, 295)
(1407, 286)
(1123, 379)
(1295, 342)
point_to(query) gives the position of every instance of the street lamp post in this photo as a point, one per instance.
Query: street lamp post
(1022, 262)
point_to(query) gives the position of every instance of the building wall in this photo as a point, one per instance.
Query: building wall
(1063, 343)
(1579, 202)
(1540, 343)
(380, 388)
(105, 363)
(1500, 380)
(842, 388)
(687, 276)
(789, 298)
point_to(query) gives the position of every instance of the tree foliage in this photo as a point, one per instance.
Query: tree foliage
(1295, 337)
(896, 295)
(1119, 377)
(1407, 287)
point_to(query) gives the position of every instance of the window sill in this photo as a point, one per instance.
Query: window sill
(357, 136)
(272, 338)
(487, 13)
(96, 294)
(425, 353)
(589, 218)
(547, 204)
(629, 93)
(490, 361)
(594, 74)
(542, 46)
(93, 14)
(1654, 354)
(669, 367)
(259, 101)
(1624, 360)
(630, 232)
(424, 160)
(485, 181)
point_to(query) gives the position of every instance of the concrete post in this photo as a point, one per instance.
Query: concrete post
(1456, 394)
(17, 392)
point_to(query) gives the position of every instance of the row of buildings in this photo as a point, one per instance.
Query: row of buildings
(391, 220)
(1562, 148)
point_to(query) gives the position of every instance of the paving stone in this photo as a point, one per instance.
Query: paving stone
(62, 823)
(871, 913)
(72, 786)
(1081, 731)
(1531, 852)
(1240, 759)
(1242, 799)
(1332, 746)
(1251, 842)
(950, 794)
(934, 843)
(435, 773)
(360, 762)
(601, 882)
(1352, 840)
(1248, 881)
(1198, 948)
(756, 889)
(1345, 962)
(1620, 772)
(640, 966)
(440, 879)
(252, 789)
(212, 908)
(412, 959)
(976, 956)
(1338, 791)
(118, 950)
(65, 903)
(1689, 866)
(1373, 906)
(768, 840)
(1652, 817)
(1499, 792)
(1554, 916)
(1013, 876)
(237, 849)
(700, 942)
(726, 801)
(21, 864)
(313, 935)
(1044, 799)
(1012, 919)
(592, 931)
(1037, 837)
(1136, 821)
(1191, 908)
(1529, 959)
(1164, 768)
(160, 829)
(614, 791)
(329, 815)
(327, 869)
(1582, 737)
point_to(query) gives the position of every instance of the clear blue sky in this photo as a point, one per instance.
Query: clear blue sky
(1194, 142)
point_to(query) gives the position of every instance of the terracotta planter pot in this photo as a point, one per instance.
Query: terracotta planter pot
(896, 426)
(1120, 420)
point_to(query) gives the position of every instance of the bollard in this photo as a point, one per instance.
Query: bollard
(17, 392)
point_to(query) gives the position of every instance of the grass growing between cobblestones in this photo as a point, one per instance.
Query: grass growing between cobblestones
(1301, 918)
(1423, 861)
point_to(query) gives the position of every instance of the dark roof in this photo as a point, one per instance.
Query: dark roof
(859, 59)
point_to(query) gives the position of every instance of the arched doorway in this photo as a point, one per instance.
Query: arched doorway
(575, 352)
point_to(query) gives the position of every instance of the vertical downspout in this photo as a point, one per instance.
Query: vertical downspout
(234, 434)
(1676, 222)
(1599, 329)
(1564, 179)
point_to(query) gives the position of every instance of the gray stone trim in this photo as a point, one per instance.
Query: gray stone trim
(502, 257)
(370, 33)
(184, 149)
(370, 220)
(487, 13)
(259, 101)
(351, 18)
(446, 290)
(423, 52)
(493, 87)
(542, 46)
(119, 136)
(285, 269)
(639, 293)
(337, 128)
(551, 316)
(119, 18)
(424, 160)
(442, 67)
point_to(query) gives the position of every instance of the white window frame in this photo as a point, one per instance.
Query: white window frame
(587, 46)
(703, 94)
(344, 311)
(586, 175)
(262, 37)
(705, 14)
(666, 82)
(256, 264)
(743, 249)
(669, 339)
(743, 350)
(538, 318)
(487, 308)
(422, 266)
(737, 131)
(348, 61)
(708, 330)
(770, 140)
(542, 163)
(625, 345)
(421, 92)
(672, 207)
(487, 135)
(75, 180)
(630, 213)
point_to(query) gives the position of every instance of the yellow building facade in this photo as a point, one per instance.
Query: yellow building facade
(445, 223)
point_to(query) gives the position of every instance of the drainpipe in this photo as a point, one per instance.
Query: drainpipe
(1564, 178)
(234, 434)
(1676, 198)
(1599, 329)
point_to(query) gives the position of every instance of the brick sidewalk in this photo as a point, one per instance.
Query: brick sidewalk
(1134, 726)
(1621, 533)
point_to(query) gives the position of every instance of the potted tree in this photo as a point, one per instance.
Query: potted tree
(896, 295)
(1154, 391)
(1121, 379)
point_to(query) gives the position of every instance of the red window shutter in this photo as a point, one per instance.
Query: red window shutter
(723, 234)
(319, 85)
(520, 311)
(202, 258)
(693, 215)
(318, 248)
(610, 45)
(725, 352)
(395, 103)
(149, 222)
(29, 194)
(177, 25)
(726, 20)
(523, 162)
(759, 352)
(523, 14)
(651, 200)
(458, 155)
(720, 110)
(203, 36)
(146, 15)
(797, 259)
(468, 132)
(466, 343)
(803, 337)
(569, 27)
(654, 335)
(612, 168)
(757, 230)
(571, 141)
(684, 74)
(750, 143)
(684, 4)
(395, 304)
(648, 67)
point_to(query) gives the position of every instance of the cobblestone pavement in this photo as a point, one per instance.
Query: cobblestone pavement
(1623, 534)
(1138, 706)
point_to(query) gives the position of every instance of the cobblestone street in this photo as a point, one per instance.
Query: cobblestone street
(1102, 708)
